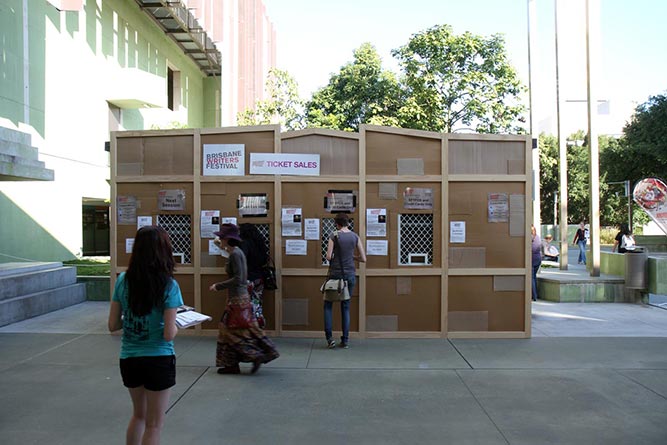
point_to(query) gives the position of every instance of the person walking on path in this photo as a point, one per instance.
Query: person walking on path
(580, 240)
(341, 256)
(240, 339)
(147, 297)
(536, 250)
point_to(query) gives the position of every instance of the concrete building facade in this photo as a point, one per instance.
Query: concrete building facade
(70, 73)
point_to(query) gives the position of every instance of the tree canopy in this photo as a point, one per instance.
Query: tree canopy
(459, 79)
(283, 106)
(361, 92)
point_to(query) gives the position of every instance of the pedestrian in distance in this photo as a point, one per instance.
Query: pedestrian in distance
(343, 248)
(580, 241)
(536, 250)
(240, 339)
(143, 305)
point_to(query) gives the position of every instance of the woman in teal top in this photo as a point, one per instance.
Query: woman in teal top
(144, 304)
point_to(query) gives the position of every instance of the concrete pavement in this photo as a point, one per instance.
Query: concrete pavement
(573, 383)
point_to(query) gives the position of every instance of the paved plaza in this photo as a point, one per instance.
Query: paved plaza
(592, 374)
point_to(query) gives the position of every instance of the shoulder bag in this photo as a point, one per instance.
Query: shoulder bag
(335, 289)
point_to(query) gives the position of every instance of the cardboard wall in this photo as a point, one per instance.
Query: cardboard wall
(338, 155)
(487, 244)
(414, 301)
(255, 142)
(310, 198)
(384, 150)
(395, 207)
(303, 305)
(147, 205)
(487, 157)
(155, 155)
(474, 305)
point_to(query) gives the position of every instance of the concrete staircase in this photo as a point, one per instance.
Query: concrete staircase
(31, 289)
(19, 159)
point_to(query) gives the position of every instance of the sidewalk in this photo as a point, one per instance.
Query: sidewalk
(59, 383)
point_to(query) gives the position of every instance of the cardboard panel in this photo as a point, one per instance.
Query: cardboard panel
(383, 150)
(168, 155)
(410, 166)
(467, 257)
(468, 321)
(255, 142)
(417, 311)
(212, 198)
(403, 285)
(460, 204)
(475, 294)
(212, 302)
(147, 205)
(307, 288)
(187, 285)
(486, 157)
(388, 190)
(310, 197)
(516, 166)
(517, 215)
(338, 156)
(130, 155)
(155, 155)
(394, 208)
(503, 283)
(382, 323)
(502, 250)
(295, 312)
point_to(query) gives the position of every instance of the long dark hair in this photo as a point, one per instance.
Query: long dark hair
(253, 244)
(150, 271)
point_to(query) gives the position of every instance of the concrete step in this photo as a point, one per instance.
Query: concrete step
(25, 283)
(18, 172)
(21, 161)
(15, 268)
(9, 134)
(12, 148)
(32, 305)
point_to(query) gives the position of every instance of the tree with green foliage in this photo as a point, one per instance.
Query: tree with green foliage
(642, 151)
(453, 80)
(283, 106)
(360, 93)
(613, 202)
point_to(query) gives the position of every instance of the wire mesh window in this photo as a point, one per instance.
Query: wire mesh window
(179, 229)
(265, 231)
(415, 239)
(328, 227)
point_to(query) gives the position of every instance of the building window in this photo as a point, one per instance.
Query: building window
(170, 88)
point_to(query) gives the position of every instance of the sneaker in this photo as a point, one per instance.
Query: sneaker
(344, 345)
(230, 370)
(331, 344)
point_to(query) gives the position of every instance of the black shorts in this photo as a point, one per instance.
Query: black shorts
(153, 373)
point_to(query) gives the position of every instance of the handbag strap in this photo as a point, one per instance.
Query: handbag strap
(337, 248)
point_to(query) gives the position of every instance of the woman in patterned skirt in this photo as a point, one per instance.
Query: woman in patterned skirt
(238, 344)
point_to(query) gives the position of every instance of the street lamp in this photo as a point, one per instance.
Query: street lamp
(628, 194)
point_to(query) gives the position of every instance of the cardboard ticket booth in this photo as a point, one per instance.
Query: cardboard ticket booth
(444, 218)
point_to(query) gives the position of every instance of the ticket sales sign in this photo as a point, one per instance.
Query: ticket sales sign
(284, 164)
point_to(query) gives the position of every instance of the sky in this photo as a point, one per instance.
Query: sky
(317, 37)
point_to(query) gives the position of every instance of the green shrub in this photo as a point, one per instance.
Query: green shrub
(90, 267)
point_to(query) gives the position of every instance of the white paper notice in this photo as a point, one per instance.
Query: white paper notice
(223, 160)
(376, 222)
(213, 249)
(228, 220)
(296, 247)
(129, 243)
(210, 222)
(143, 221)
(377, 247)
(291, 222)
(312, 228)
(457, 232)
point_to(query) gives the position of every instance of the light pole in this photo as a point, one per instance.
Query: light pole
(628, 194)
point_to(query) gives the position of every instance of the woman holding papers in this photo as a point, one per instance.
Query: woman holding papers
(240, 339)
(144, 304)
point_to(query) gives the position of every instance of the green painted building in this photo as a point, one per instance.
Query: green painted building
(72, 71)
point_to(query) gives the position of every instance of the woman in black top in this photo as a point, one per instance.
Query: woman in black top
(256, 254)
(624, 230)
